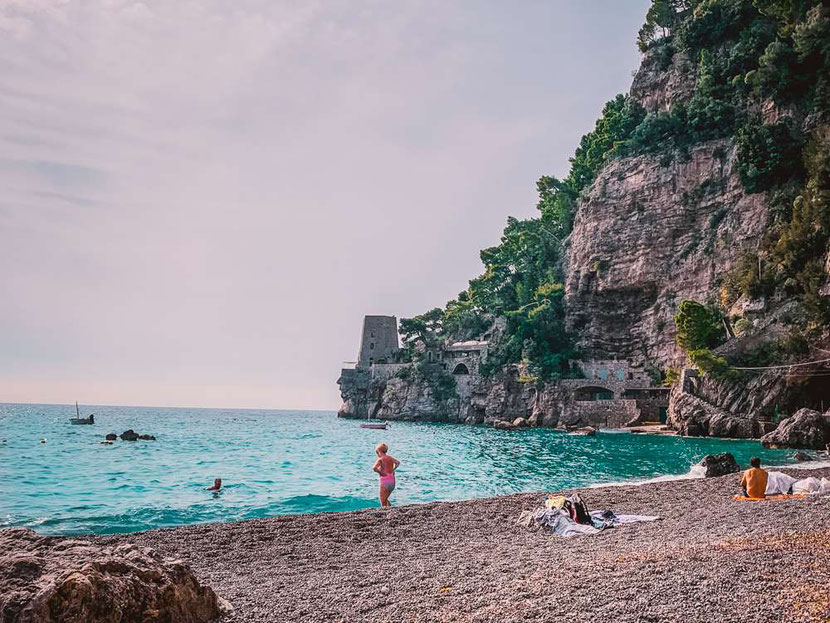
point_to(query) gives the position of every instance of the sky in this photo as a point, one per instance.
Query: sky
(199, 200)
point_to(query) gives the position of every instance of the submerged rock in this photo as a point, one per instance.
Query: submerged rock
(129, 435)
(805, 429)
(719, 464)
(50, 579)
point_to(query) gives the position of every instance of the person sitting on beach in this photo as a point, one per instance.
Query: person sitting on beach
(754, 480)
(385, 466)
(217, 484)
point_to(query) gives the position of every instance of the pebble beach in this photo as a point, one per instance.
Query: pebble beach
(708, 559)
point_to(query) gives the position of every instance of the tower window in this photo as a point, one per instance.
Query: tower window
(371, 346)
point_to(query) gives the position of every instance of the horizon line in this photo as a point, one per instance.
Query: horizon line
(60, 404)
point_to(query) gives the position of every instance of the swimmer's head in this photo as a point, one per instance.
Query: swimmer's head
(381, 448)
(217, 483)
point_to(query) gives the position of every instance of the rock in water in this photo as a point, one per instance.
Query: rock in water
(805, 429)
(719, 464)
(129, 435)
(801, 457)
(587, 431)
(51, 579)
(504, 425)
(520, 422)
(147, 437)
(111, 437)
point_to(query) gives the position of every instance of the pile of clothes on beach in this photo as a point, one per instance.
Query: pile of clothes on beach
(779, 483)
(568, 515)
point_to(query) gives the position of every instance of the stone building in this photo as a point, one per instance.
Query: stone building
(610, 394)
(617, 392)
(379, 340)
(459, 358)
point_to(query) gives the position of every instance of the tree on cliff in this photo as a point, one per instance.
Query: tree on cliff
(698, 326)
(741, 56)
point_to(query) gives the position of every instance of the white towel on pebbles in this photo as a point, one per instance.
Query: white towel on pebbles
(782, 483)
(778, 482)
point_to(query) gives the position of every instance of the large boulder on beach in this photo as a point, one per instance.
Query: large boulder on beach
(719, 464)
(805, 429)
(53, 579)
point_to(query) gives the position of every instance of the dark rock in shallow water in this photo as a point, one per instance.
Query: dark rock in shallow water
(147, 437)
(719, 464)
(49, 579)
(111, 437)
(805, 429)
(129, 435)
(504, 425)
(587, 431)
(800, 457)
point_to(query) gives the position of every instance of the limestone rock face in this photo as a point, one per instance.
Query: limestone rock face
(693, 416)
(719, 464)
(658, 85)
(805, 429)
(648, 234)
(50, 579)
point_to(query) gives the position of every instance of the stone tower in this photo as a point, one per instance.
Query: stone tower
(379, 341)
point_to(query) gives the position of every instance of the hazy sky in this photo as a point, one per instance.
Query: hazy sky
(199, 200)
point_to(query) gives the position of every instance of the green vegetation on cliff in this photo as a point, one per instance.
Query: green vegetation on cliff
(761, 72)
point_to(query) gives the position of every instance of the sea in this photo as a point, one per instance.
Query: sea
(275, 462)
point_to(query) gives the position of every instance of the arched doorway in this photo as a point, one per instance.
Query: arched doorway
(461, 368)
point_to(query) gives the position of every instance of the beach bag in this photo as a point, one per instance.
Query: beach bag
(579, 510)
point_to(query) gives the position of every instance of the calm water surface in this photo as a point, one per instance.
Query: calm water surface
(283, 462)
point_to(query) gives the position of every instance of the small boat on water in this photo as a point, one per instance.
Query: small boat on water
(90, 419)
(377, 426)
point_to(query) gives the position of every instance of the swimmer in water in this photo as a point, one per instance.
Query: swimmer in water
(385, 466)
(217, 484)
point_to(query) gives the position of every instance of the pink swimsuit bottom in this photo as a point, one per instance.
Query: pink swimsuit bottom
(388, 481)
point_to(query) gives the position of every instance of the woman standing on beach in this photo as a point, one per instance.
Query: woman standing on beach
(385, 466)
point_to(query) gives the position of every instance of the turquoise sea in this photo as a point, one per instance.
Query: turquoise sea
(285, 462)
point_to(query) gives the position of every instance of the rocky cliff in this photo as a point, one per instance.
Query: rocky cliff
(651, 230)
(502, 398)
(649, 234)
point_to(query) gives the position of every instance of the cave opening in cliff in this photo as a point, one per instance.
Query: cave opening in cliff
(461, 369)
(812, 390)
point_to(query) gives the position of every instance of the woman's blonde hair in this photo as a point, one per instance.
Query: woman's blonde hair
(382, 447)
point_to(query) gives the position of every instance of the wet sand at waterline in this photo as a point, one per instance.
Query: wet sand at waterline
(708, 559)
